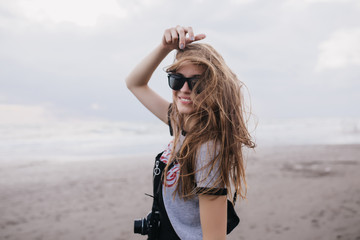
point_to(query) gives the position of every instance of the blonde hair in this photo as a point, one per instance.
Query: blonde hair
(218, 117)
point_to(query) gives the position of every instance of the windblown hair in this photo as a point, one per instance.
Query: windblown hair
(218, 117)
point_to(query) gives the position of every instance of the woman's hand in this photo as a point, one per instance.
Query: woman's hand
(178, 37)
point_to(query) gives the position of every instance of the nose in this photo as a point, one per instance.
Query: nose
(185, 88)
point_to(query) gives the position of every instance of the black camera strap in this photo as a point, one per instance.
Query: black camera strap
(166, 231)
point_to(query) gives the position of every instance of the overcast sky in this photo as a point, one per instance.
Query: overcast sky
(69, 58)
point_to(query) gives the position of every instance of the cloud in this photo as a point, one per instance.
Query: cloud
(23, 114)
(326, 1)
(75, 53)
(79, 12)
(296, 4)
(341, 50)
(241, 1)
(95, 106)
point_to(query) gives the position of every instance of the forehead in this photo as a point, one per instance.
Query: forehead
(189, 70)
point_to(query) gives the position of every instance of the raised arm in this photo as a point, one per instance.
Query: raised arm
(137, 81)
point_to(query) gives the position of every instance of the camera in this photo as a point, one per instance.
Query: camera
(149, 225)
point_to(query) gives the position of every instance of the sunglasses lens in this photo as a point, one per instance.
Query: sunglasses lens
(176, 82)
(192, 83)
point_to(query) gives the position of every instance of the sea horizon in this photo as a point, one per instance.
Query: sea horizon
(92, 139)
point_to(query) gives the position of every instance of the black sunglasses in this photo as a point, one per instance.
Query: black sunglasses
(177, 81)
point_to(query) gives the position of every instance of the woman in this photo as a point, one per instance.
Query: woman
(204, 161)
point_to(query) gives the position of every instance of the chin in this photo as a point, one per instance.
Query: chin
(184, 109)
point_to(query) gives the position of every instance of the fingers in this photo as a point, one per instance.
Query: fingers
(191, 33)
(182, 36)
(167, 36)
(177, 36)
(199, 37)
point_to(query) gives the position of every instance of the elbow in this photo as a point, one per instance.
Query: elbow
(129, 84)
(134, 86)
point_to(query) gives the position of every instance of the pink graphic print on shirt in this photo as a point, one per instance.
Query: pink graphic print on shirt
(171, 175)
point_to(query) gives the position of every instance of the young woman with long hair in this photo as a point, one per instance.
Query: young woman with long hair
(204, 161)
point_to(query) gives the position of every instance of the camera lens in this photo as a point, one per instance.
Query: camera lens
(140, 226)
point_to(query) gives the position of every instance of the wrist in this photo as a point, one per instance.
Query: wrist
(165, 49)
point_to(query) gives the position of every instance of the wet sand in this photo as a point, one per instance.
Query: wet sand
(297, 192)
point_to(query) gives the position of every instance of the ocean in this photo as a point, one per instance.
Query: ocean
(80, 140)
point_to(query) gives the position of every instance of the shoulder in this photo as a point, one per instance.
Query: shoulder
(208, 169)
(208, 150)
(208, 156)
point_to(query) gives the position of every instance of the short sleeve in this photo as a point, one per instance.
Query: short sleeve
(206, 177)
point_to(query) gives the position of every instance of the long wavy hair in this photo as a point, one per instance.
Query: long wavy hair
(218, 117)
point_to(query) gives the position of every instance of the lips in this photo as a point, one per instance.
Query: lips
(185, 100)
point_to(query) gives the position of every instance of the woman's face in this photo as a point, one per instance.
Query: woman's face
(182, 97)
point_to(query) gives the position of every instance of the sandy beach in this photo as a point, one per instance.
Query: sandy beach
(294, 192)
